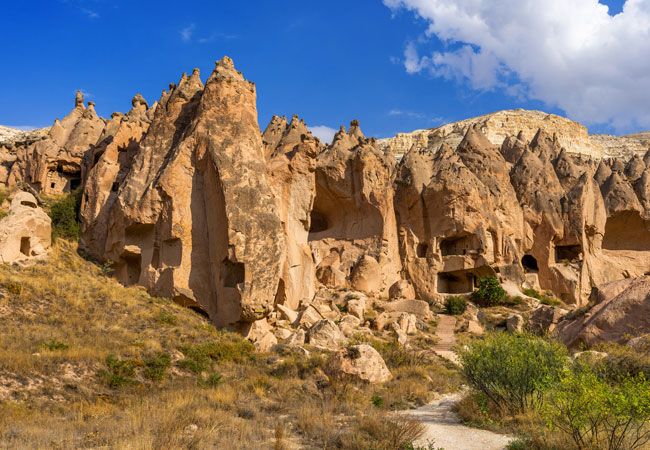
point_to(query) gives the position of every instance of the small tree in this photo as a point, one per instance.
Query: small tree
(489, 292)
(512, 370)
(455, 305)
(600, 414)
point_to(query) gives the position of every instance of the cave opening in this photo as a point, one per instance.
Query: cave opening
(456, 245)
(422, 250)
(458, 282)
(232, 273)
(319, 222)
(530, 264)
(25, 246)
(569, 253)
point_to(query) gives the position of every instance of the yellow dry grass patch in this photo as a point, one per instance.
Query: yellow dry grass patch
(61, 319)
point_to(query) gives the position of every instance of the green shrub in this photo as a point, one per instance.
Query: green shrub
(544, 299)
(119, 372)
(64, 214)
(596, 413)
(455, 305)
(54, 345)
(213, 380)
(13, 287)
(512, 370)
(167, 318)
(489, 292)
(198, 358)
(377, 401)
(156, 367)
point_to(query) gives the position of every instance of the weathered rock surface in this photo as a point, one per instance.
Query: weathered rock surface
(501, 125)
(190, 200)
(26, 230)
(362, 362)
(622, 309)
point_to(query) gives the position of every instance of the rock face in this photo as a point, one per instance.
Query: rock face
(190, 200)
(621, 311)
(25, 231)
(195, 218)
(501, 125)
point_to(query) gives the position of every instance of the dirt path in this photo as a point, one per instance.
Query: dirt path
(443, 427)
(445, 430)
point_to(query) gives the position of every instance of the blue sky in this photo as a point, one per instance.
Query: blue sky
(330, 62)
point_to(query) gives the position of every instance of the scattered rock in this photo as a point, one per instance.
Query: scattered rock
(362, 362)
(418, 307)
(515, 323)
(326, 334)
(26, 230)
(401, 289)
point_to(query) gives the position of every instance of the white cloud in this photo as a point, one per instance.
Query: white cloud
(90, 13)
(568, 53)
(411, 114)
(186, 33)
(325, 134)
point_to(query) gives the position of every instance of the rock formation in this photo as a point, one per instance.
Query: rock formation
(501, 125)
(621, 312)
(26, 230)
(190, 200)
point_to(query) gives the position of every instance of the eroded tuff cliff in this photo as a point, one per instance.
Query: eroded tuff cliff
(189, 199)
(502, 124)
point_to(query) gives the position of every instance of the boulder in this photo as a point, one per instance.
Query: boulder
(407, 323)
(308, 317)
(326, 334)
(297, 338)
(474, 327)
(282, 333)
(26, 230)
(545, 319)
(515, 323)
(384, 319)
(401, 289)
(361, 362)
(266, 342)
(287, 313)
(621, 309)
(418, 307)
(357, 307)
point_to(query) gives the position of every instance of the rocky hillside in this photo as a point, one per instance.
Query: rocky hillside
(10, 136)
(499, 125)
(189, 199)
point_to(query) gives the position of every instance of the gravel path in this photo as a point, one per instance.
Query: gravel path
(443, 427)
(445, 430)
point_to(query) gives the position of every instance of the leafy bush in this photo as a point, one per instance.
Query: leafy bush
(489, 292)
(198, 358)
(64, 214)
(213, 380)
(156, 367)
(167, 318)
(54, 345)
(512, 370)
(455, 305)
(596, 413)
(13, 287)
(119, 372)
(377, 401)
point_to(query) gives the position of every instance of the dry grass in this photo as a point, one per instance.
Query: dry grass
(87, 363)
